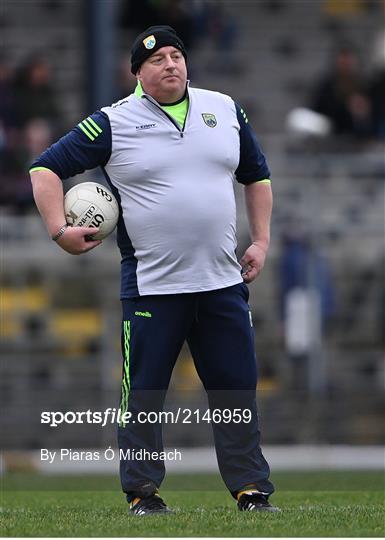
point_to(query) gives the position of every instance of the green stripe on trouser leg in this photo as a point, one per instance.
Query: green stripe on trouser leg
(126, 370)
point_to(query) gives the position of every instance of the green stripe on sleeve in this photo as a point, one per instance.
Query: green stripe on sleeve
(85, 131)
(39, 169)
(244, 116)
(92, 122)
(87, 125)
(264, 181)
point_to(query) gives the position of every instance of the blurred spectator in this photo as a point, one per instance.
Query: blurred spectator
(306, 302)
(303, 266)
(34, 93)
(212, 20)
(125, 80)
(141, 15)
(15, 185)
(138, 15)
(7, 105)
(37, 137)
(381, 305)
(377, 88)
(29, 120)
(193, 20)
(342, 95)
(8, 131)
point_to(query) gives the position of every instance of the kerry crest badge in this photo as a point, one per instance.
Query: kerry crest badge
(209, 119)
(149, 42)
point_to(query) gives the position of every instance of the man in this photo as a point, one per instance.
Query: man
(170, 154)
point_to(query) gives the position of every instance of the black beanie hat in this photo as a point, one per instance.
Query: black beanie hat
(152, 39)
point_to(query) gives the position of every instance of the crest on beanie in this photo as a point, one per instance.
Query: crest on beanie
(149, 42)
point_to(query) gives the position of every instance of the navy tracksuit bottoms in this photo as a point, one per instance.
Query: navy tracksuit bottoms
(217, 327)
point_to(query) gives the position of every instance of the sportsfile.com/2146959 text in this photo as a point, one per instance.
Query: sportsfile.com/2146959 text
(180, 415)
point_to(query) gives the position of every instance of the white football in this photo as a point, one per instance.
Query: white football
(91, 205)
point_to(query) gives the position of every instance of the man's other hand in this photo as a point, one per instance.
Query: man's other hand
(252, 262)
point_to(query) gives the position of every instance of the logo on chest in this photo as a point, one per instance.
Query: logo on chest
(145, 126)
(209, 119)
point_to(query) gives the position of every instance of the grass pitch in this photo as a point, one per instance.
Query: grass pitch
(313, 504)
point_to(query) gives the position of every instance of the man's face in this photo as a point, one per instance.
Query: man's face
(164, 75)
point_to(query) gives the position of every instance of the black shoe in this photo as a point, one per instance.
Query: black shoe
(153, 504)
(255, 502)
